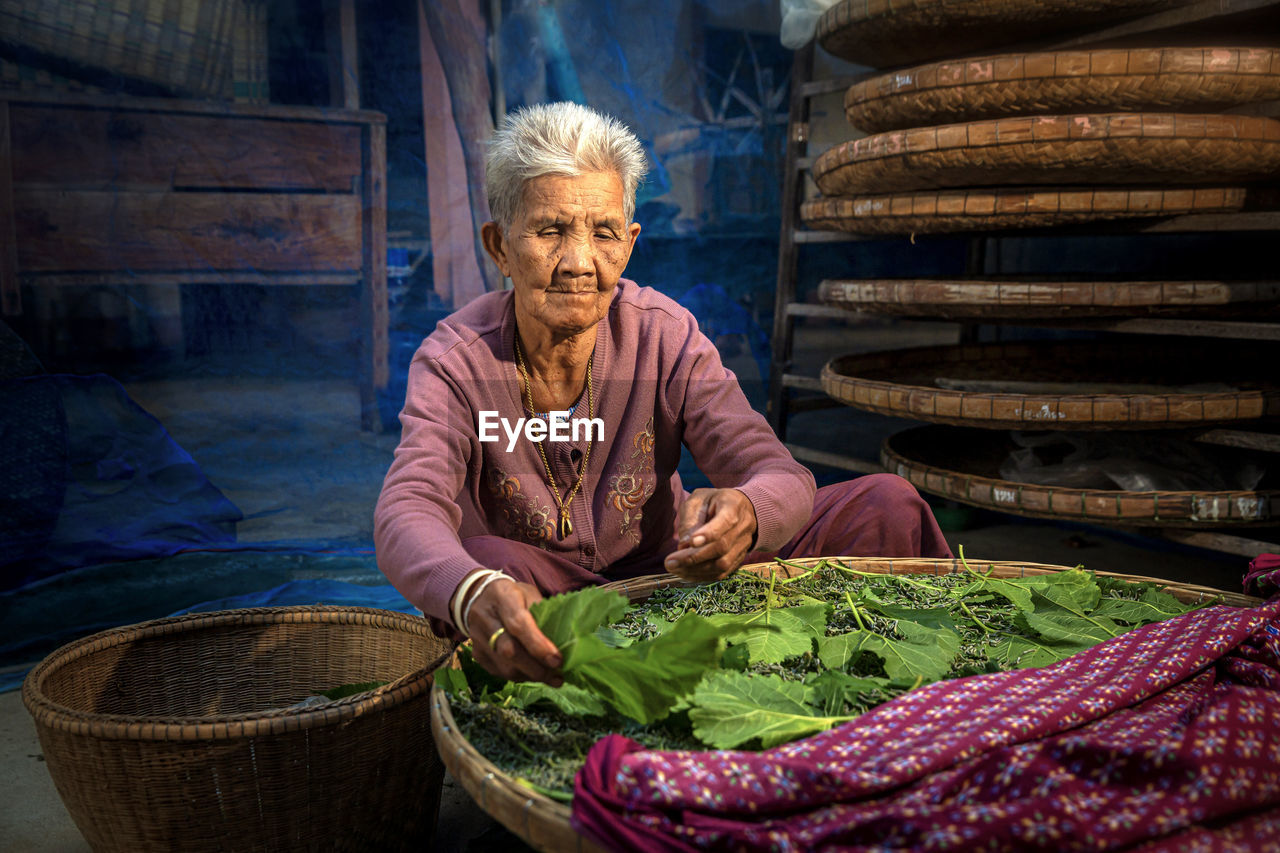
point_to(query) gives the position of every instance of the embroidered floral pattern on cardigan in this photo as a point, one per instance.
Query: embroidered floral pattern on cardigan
(633, 484)
(526, 520)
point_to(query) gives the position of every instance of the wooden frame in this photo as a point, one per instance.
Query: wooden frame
(96, 190)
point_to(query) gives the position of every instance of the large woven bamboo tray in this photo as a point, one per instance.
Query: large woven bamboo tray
(887, 33)
(183, 45)
(178, 733)
(1162, 79)
(962, 464)
(544, 824)
(1074, 385)
(1020, 299)
(1108, 148)
(960, 210)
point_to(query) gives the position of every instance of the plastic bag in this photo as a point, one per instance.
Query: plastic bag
(800, 21)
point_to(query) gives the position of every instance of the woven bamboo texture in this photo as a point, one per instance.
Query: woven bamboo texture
(18, 77)
(960, 210)
(960, 463)
(1062, 384)
(176, 734)
(538, 820)
(1112, 148)
(1008, 299)
(544, 824)
(887, 33)
(1168, 79)
(183, 45)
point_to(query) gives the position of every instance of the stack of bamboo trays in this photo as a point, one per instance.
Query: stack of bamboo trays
(961, 140)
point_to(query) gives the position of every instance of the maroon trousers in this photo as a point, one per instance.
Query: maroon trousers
(877, 515)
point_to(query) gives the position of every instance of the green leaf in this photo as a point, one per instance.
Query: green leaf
(1014, 652)
(1130, 611)
(645, 679)
(925, 655)
(567, 698)
(565, 618)
(1073, 590)
(832, 691)
(613, 637)
(730, 709)
(736, 658)
(1166, 601)
(930, 617)
(452, 681)
(657, 622)
(1017, 595)
(1057, 626)
(1153, 606)
(772, 636)
(480, 679)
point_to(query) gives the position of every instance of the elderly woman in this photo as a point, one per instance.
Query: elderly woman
(543, 425)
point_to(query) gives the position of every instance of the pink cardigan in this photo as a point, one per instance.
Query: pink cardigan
(658, 382)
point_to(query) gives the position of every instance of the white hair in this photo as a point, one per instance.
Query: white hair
(563, 138)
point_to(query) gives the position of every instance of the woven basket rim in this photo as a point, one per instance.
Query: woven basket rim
(499, 791)
(961, 209)
(919, 474)
(980, 294)
(225, 726)
(939, 28)
(997, 83)
(908, 79)
(840, 383)
(1091, 147)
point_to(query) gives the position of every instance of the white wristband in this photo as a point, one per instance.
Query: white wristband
(480, 587)
(460, 594)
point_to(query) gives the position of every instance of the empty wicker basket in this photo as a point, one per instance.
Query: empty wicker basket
(177, 734)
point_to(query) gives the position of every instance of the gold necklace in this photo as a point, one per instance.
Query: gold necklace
(565, 527)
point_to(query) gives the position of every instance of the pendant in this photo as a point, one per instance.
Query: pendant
(566, 526)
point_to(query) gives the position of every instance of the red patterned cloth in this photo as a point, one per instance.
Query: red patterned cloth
(1165, 738)
(1263, 577)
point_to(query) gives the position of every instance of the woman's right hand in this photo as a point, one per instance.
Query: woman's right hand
(506, 641)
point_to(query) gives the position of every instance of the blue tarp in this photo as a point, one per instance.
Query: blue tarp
(108, 481)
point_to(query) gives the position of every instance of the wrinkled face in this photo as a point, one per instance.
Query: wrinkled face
(565, 250)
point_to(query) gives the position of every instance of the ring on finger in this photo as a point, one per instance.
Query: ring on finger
(493, 638)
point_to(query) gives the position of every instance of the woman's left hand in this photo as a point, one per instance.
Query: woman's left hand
(714, 531)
